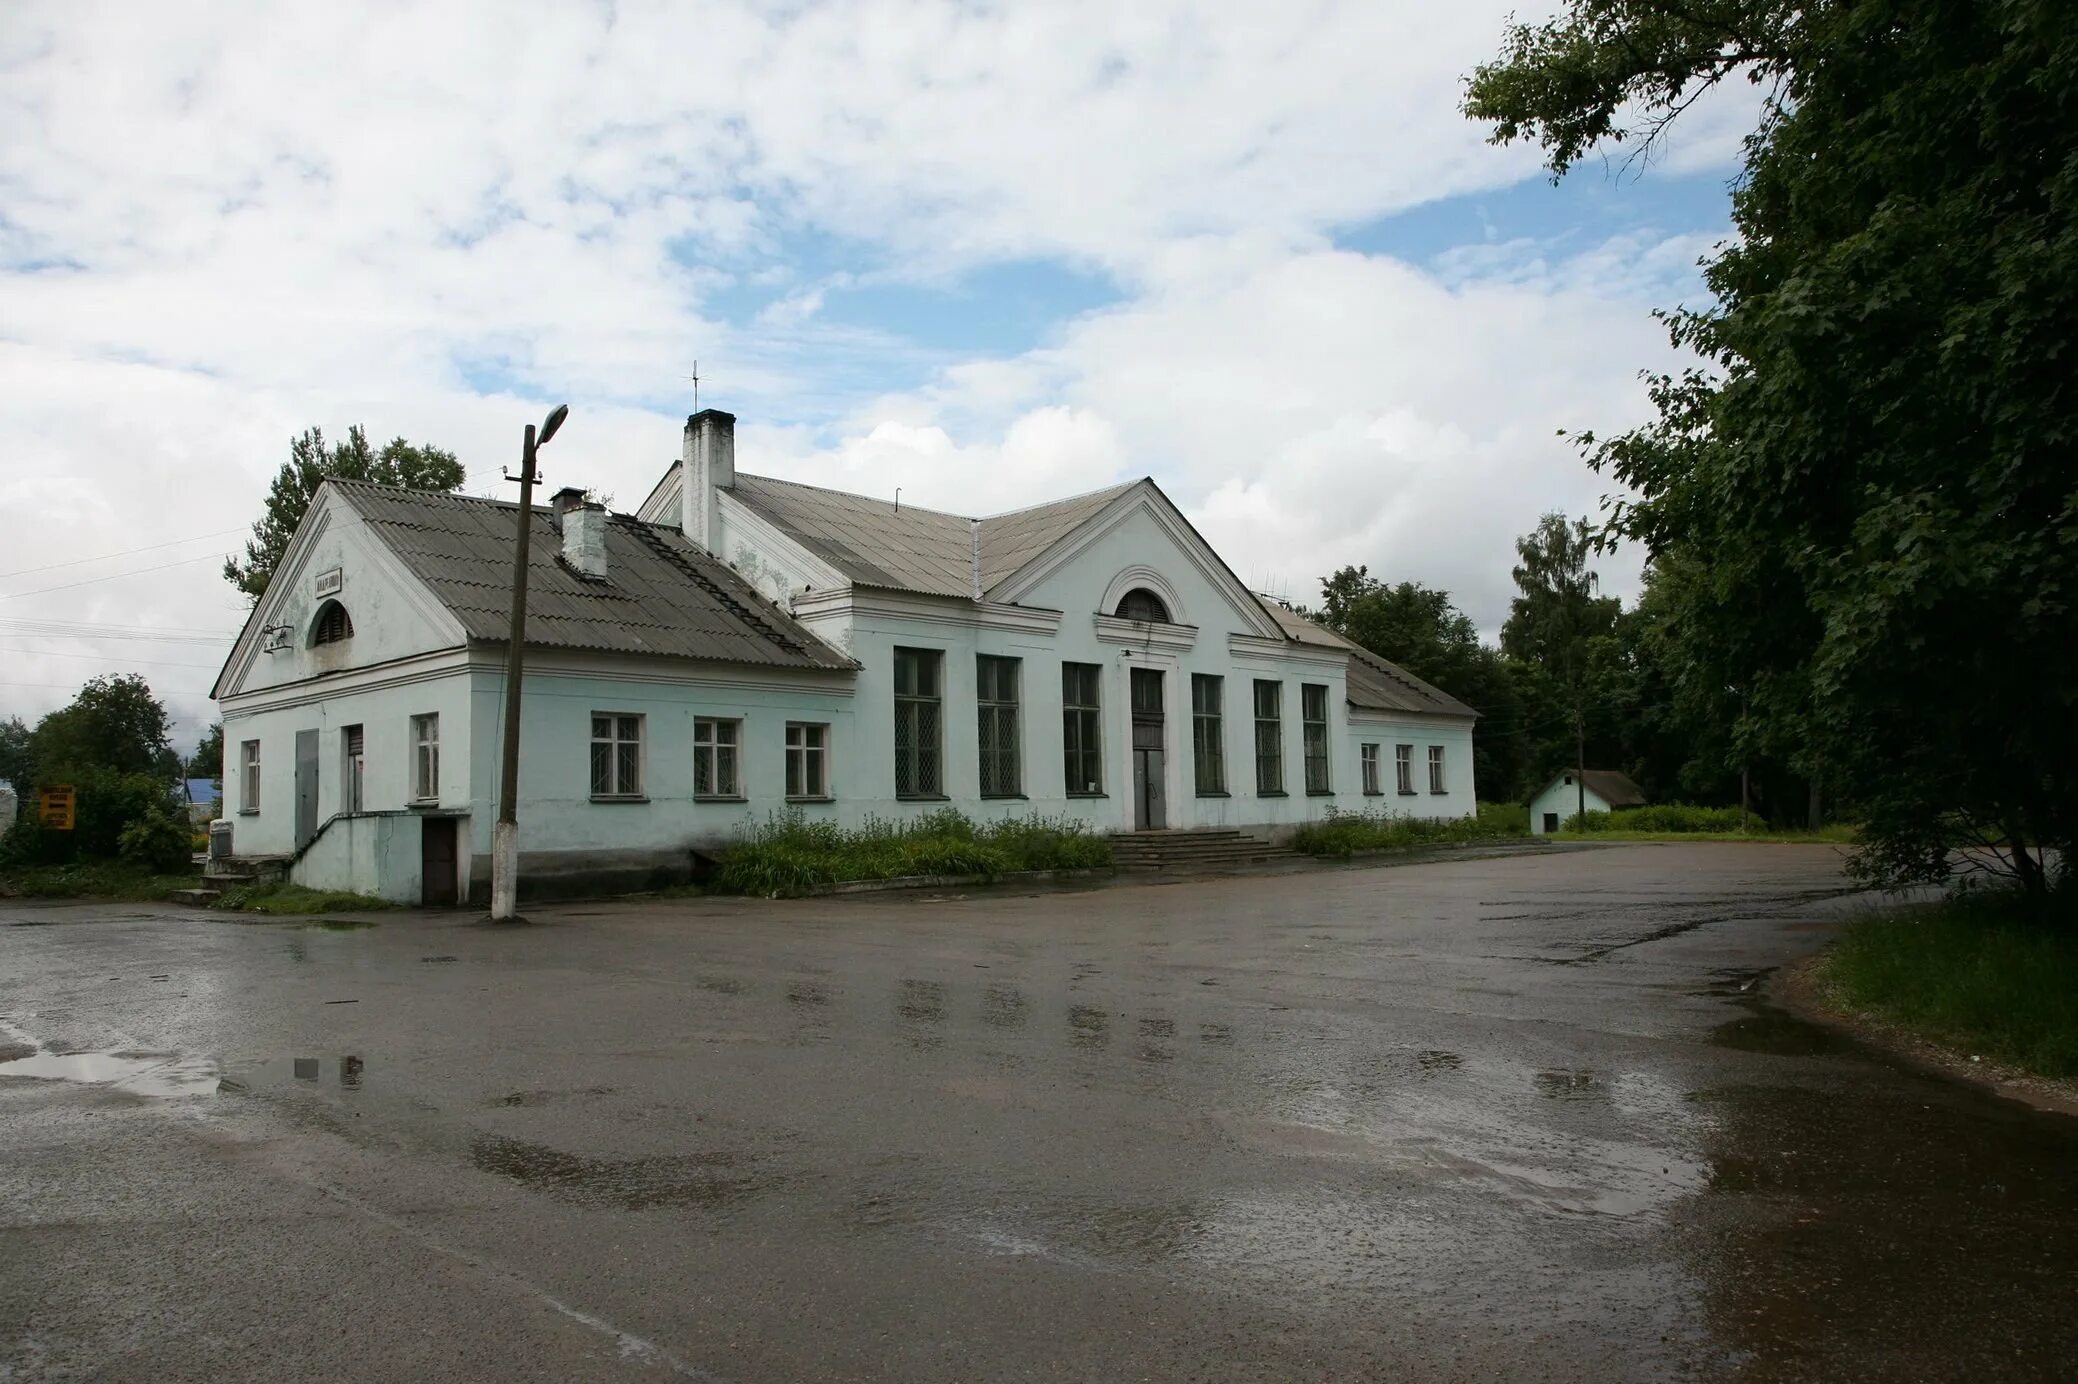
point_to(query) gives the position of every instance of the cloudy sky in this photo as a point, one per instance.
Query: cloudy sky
(990, 254)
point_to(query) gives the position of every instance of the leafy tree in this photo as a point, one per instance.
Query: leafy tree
(116, 724)
(310, 463)
(17, 758)
(208, 759)
(1870, 475)
(1418, 628)
(1559, 627)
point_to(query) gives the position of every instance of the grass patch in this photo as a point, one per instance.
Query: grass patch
(97, 879)
(1342, 834)
(1976, 973)
(1844, 834)
(289, 899)
(790, 855)
(1686, 822)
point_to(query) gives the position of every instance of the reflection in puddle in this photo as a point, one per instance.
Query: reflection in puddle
(1777, 1034)
(142, 1073)
(709, 1179)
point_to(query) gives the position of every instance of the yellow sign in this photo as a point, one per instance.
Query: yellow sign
(54, 806)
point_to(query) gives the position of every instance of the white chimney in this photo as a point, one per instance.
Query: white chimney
(582, 524)
(709, 465)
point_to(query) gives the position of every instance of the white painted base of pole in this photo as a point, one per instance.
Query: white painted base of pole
(504, 872)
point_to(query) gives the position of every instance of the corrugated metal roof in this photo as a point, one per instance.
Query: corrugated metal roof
(661, 596)
(1373, 683)
(875, 543)
(1614, 787)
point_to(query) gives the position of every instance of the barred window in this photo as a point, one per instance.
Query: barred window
(807, 760)
(1082, 740)
(1436, 769)
(716, 772)
(1269, 736)
(1403, 767)
(616, 755)
(1208, 732)
(919, 724)
(996, 689)
(1313, 726)
(1369, 755)
(425, 758)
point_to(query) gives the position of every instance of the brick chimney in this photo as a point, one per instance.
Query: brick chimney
(709, 465)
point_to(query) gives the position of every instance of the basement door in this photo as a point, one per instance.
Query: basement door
(437, 875)
(1150, 809)
(306, 787)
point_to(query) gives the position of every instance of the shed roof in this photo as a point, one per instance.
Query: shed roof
(1372, 683)
(876, 542)
(661, 595)
(1612, 786)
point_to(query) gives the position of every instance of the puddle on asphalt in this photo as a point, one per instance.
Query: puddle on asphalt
(1564, 1085)
(1435, 1060)
(140, 1073)
(711, 1179)
(1088, 1027)
(1777, 1034)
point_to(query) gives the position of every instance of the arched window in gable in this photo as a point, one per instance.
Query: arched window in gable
(332, 625)
(1142, 604)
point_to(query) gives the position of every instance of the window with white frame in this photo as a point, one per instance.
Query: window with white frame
(249, 776)
(1403, 767)
(1313, 727)
(616, 755)
(351, 751)
(1208, 733)
(425, 758)
(919, 723)
(807, 760)
(1369, 755)
(1436, 769)
(1082, 736)
(1269, 737)
(716, 772)
(996, 729)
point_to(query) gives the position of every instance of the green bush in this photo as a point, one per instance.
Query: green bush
(157, 840)
(1674, 818)
(105, 803)
(1346, 833)
(791, 855)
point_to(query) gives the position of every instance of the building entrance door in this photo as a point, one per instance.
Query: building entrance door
(437, 862)
(306, 787)
(1150, 807)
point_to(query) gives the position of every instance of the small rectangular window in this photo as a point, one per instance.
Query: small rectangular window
(996, 731)
(352, 751)
(1403, 767)
(807, 760)
(1082, 736)
(425, 758)
(616, 755)
(716, 773)
(1269, 737)
(249, 776)
(919, 724)
(1436, 769)
(1208, 733)
(1313, 726)
(1369, 754)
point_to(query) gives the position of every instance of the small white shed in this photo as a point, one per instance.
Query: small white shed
(1607, 790)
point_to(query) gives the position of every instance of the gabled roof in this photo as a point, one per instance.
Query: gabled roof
(661, 595)
(1373, 683)
(875, 542)
(1612, 786)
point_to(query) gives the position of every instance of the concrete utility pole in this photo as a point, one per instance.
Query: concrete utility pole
(505, 835)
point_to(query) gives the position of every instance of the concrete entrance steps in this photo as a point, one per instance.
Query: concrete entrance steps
(1196, 850)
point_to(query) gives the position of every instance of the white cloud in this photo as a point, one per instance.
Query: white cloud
(224, 224)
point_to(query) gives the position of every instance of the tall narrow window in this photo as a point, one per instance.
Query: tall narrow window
(1369, 756)
(716, 773)
(249, 776)
(995, 696)
(1269, 736)
(1082, 739)
(1403, 767)
(351, 749)
(425, 758)
(1208, 733)
(807, 760)
(1436, 769)
(616, 755)
(1313, 726)
(919, 724)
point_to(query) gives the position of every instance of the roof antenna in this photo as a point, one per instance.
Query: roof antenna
(696, 386)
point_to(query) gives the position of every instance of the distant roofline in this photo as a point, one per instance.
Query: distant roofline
(945, 513)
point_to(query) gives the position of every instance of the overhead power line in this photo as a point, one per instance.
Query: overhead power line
(21, 627)
(105, 658)
(127, 552)
(112, 576)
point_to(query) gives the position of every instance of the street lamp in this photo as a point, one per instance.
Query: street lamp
(505, 835)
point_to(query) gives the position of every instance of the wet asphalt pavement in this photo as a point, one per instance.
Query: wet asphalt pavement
(1506, 1118)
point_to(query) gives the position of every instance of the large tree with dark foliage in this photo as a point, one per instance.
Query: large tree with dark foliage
(310, 463)
(1871, 473)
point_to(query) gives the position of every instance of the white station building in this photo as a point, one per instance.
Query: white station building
(746, 646)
